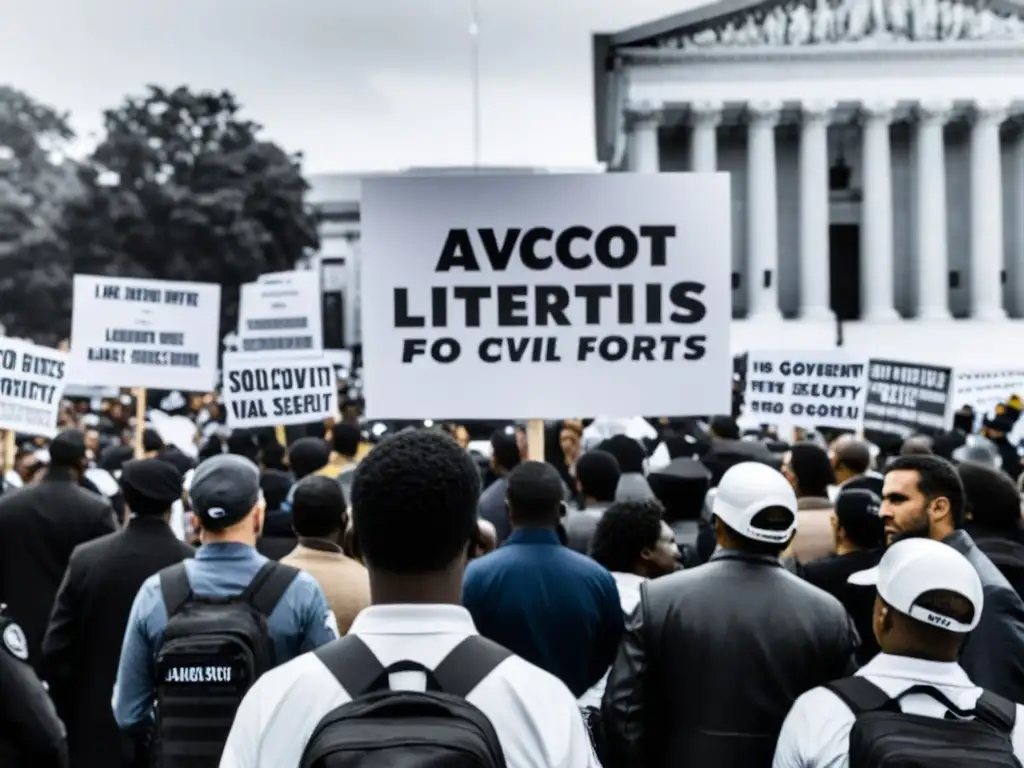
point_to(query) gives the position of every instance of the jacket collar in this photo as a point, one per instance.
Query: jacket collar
(320, 545)
(58, 475)
(748, 557)
(961, 541)
(533, 536)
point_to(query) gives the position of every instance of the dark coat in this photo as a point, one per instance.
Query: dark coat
(83, 641)
(40, 526)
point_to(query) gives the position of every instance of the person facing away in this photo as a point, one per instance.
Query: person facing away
(40, 526)
(277, 538)
(928, 598)
(992, 517)
(859, 542)
(319, 516)
(630, 455)
(809, 471)
(851, 460)
(226, 501)
(83, 640)
(597, 477)
(635, 544)
(345, 440)
(556, 608)
(714, 656)
(505, 457)
(414, 504)
(924, 498)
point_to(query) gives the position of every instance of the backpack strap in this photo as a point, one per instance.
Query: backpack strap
(352, 663)
(468, 664)
(268, 586)
(175, 587)
(999, 712)
(860, 694)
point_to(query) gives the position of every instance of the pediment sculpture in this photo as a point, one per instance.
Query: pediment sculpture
(824, 22)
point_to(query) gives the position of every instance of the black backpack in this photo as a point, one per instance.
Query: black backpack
(213, 650)
(883, 736)
(381, 728)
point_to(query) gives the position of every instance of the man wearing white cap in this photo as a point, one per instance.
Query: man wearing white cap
(929, 598)
(714, 656)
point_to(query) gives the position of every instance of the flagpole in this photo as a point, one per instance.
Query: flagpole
(474, 34)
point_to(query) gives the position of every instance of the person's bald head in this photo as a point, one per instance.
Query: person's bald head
(917, 445)
(850, 458)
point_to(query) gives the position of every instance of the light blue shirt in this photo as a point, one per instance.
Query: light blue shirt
(302, 621)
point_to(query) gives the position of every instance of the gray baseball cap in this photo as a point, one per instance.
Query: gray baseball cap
(224, 489)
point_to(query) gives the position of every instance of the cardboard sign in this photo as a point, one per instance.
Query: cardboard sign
(906, 398)
(270, 390)
(536, 296)
(158, 334)
(31, 386)
(281, 312)
(985, 388)
(806, 389)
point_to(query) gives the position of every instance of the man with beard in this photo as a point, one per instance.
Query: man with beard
(924, 497)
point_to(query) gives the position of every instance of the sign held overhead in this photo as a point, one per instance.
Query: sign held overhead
(31, 386)
(270, 390)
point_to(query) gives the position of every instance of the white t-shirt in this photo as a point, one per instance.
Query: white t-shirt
(816, 733)
(534, 714)
(628, 585)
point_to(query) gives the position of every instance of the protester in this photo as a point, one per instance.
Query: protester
(859, 541)
(630, 455)
(597, 478)
(83, 640)
(277, 537)
(851, 462)
(308, 455)
(414, 501)
(992, 517)
(809, 470)
(928, 598)
(682, 487)
(345, 441)
(319, 516)
(31, 734)
(169, 620)
(39, 528)
(924, 498)
(504, 458)
(553, 607)
(997, 429)
(714, 656)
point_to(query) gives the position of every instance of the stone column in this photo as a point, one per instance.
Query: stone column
(704, 119)
(762, 212)
(642, 121)
(930, 211)
(1017, 274)
(814, 215)
(876, 250)
(987, 212)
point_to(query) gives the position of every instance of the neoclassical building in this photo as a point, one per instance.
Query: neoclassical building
(875, 154)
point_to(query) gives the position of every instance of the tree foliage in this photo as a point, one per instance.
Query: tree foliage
(183, 188)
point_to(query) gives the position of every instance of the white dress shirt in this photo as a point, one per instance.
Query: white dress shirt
(628, 585)
(533, 713)
(816, 733)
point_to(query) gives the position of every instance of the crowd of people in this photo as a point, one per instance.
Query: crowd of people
(691, 596)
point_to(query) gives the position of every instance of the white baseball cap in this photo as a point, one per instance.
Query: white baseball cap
(912, 567)
(747, 489)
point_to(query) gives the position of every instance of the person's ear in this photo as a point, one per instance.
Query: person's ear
(939, 509)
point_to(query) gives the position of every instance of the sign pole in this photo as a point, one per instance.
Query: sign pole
(140, 421)
(535, 439)
(279, 433)
(9, 450)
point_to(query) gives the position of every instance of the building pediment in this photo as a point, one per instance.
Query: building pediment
(837, 22)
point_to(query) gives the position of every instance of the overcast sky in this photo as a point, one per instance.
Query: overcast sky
(355, 84)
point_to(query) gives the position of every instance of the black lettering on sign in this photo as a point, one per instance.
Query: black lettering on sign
(42, 366)
(20, 389)
(196, 673)
(281, 378)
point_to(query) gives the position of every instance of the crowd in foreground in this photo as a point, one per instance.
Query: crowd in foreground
(744, 603)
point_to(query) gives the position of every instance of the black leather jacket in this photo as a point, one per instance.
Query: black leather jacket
(712, 660)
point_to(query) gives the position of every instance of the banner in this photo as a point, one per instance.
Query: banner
(281, 312)
(31, 386)
(985, 388)
(527, 297)
(907, 398)
(806, 389)
(269, 390)
(158, 334)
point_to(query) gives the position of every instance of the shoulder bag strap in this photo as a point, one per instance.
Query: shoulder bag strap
(999, 712)
(860, 694)
(268, 586)
(352, 663)
(175, 588)
(468, 664)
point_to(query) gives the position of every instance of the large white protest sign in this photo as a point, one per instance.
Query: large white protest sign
(129, 332)
(281, 313)
(806, 389)
(273, 389)
(31, 386)
(985, 388)
(545, 295)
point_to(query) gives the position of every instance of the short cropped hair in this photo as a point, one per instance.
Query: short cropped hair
(854, 455)
(936, 478)
(318, 507)
(345, 439)
(535, 493)
(598, 474)
(414, 502)
(990, 496)
(625, 530)
(505, 450)
(813, 470)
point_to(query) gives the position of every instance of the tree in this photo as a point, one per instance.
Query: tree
(183, 188)
(36, 180)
